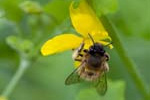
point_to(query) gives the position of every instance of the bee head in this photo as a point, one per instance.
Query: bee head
(97, 48)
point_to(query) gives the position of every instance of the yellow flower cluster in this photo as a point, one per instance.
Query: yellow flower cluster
(85, 22)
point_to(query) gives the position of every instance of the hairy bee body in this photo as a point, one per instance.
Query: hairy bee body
(93, 66)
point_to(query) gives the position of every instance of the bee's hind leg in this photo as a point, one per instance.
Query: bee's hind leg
(78, 60)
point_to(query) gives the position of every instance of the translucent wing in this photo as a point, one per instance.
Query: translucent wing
(101, 86)
(73, 78)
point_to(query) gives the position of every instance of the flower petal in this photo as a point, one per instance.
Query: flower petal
(60, 43)
(85, 21)
(106, 43)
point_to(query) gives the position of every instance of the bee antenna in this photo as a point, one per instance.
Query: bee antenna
(91, 38)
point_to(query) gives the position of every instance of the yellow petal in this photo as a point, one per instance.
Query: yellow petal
(85, 21)
(88, 43)
(106, 43)
(60, 43)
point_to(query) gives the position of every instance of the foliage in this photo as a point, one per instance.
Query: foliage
(26, 25)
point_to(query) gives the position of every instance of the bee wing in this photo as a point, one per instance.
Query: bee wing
(101, 86)
(73, 78)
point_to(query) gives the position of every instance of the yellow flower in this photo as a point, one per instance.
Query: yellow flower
(85, 22)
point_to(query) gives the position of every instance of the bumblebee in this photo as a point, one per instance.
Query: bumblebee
(93, 66)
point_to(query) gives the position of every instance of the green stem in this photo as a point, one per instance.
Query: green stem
(24, 63)
(129, 64)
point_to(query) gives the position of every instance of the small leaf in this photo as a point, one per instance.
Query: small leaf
(19, 44)
(31, 7)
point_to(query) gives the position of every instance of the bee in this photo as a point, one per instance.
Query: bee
(93, 66)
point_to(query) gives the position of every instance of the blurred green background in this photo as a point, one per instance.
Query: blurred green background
(40, 20)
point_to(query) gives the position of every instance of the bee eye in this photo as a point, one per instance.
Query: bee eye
(91, 49)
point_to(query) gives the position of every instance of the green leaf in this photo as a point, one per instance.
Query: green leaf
(105, 6)
(19, 44)
(58, 9)
(11, 10)
(31, 7)
(7, 28)
(115, 91)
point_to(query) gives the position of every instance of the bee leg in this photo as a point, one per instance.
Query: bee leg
(77, 52)
(81, 46)
(78, 60)
(81, 55)
(106, 68)
(107, 56)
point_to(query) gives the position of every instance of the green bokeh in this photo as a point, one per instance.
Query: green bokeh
(44, 80)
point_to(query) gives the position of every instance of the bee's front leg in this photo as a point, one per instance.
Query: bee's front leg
(77, 52)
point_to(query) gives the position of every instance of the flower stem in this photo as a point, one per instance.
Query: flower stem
(24, 63)
(129, 64)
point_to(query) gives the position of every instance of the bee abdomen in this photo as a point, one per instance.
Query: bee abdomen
(89, 75)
